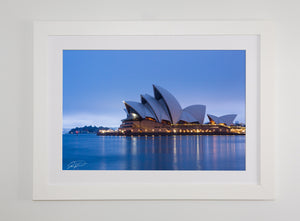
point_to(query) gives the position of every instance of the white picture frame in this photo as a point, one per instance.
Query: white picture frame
(48, 116)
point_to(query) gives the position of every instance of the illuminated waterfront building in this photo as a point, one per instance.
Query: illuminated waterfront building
(162, 113)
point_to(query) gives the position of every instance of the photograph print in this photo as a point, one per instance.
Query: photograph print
(154, 110)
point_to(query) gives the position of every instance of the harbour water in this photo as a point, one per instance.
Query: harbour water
(192, 152)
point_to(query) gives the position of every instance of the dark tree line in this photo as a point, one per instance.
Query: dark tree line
(87, 130)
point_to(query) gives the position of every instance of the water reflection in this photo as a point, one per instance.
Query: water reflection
(154, 153)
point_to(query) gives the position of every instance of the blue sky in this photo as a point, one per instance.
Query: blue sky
(95, 82)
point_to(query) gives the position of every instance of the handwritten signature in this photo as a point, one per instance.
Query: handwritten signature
(75, 164)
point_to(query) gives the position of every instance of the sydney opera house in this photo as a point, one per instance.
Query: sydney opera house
(162, 114)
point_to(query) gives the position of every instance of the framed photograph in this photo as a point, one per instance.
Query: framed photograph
(153, 110)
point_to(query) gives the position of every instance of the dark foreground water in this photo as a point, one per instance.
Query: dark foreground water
(91, 152)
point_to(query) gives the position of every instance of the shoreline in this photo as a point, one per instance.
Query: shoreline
(128, 134)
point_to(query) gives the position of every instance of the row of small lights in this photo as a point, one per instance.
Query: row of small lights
(174, 131)
(180, 131)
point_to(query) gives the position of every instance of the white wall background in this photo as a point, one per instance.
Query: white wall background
(16, 71)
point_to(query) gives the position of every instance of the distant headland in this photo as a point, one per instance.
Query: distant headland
(87, 130)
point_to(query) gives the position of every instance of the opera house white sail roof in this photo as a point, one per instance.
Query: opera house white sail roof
(156, 107)
(225, 119)
(169, 102)
(165, 107)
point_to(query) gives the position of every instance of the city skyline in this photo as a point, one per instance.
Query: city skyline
(95, 82)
